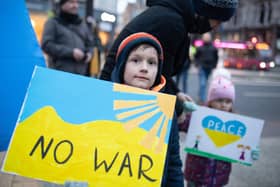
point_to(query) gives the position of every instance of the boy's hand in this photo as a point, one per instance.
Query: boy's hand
(255, 153)
(75, 184)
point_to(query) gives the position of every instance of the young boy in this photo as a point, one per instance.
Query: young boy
(139, 63)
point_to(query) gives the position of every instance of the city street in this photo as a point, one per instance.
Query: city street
(79, 36)
(257, 95)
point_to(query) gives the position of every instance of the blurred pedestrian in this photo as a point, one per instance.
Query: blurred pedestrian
(202, 171)
(171, 21)
(67, 40)
(206, 59)
(182, 76)
(139, 62)
(98, 49)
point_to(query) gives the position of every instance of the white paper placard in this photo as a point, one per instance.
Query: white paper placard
(223, 135)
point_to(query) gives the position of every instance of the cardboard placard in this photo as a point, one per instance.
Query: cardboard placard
(78, 128)
(223, 135)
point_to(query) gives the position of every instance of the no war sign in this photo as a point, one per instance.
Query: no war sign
(82, 129)
(222, 135)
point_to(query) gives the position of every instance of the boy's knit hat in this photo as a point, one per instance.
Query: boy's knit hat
(221, 87)
(127, 45)
(221, 10)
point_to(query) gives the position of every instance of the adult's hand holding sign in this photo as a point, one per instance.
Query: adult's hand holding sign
(19, 53)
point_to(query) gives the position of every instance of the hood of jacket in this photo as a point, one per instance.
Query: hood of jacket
(182, 7)
(193, 23)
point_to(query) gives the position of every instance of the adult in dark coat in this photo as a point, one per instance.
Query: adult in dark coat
(171, 21)
(206, 58)
(67, 40)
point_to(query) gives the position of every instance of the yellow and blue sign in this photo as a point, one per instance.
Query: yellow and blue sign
(222, 135)
(82, 129)
(19, 53)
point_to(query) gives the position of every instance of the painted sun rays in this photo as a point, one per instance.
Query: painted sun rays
(140, 108)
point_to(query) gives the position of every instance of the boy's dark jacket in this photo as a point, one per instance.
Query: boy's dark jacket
(170, 21)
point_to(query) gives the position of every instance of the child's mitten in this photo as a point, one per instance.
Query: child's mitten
(190, 106)
(255, 153)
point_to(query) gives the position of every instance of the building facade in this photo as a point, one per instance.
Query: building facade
(255, 18)
(131, 11)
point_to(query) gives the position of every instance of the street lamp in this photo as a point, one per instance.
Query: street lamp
(108, 17)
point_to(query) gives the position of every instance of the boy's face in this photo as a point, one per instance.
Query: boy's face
(141, 67)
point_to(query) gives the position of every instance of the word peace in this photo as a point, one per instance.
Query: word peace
(233, 127)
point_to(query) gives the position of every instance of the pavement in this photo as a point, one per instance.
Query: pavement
(8, 180)
(264, 173)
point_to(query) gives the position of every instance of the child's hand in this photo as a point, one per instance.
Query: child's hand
(190, 106)
(75, 184)
(184, 97)
(255, 153)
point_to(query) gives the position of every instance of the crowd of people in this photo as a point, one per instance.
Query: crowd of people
(148, 52)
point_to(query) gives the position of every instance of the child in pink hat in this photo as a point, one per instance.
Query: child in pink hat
(221, 94)
(202, 171)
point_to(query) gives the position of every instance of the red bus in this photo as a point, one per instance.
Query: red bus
(245, 55)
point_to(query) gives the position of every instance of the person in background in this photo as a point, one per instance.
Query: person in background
(98, 50)
(171, 21)
(206, 172)
(183, 76)
(206, 59)
(139, 62)
(67, 40)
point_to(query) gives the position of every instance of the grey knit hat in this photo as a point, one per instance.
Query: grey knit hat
(221, 10)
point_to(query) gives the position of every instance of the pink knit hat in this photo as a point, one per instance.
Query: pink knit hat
(221, 87)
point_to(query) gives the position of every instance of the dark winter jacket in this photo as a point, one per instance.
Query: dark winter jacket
(207, 56)
(202, 170)
(170, 21)
(60, 38)
(210, 172)
(173, 175)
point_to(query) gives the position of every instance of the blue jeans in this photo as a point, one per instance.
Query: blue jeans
(203, 80)
(183, 74)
